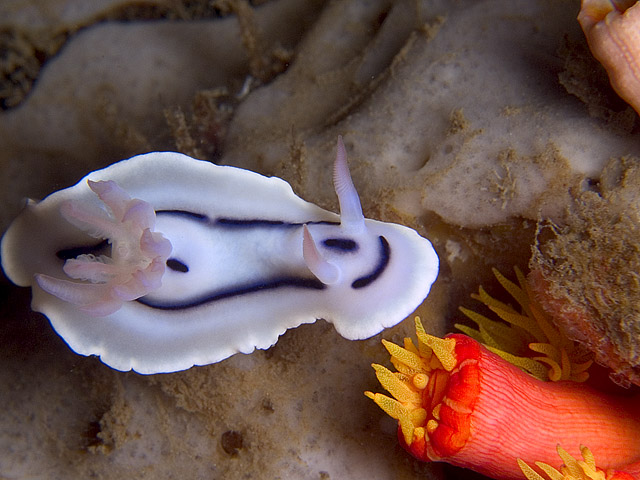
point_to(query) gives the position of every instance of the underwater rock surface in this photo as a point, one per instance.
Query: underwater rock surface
(585, 270)
(466, 120)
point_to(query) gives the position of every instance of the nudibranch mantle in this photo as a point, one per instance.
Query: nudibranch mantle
(243, 249)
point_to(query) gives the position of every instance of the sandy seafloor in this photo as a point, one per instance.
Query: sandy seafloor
(468, 120)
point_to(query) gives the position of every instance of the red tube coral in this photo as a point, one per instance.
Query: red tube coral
(458, 402)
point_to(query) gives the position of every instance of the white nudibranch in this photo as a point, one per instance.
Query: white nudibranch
(161, 262)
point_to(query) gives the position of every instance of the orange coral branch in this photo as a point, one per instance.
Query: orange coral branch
(483, 413)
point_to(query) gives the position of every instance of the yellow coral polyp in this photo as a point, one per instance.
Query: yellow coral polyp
(521, 333)
(414, 365)
(572, 469)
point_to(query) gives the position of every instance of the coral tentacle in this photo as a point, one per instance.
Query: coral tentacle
(484, 413)
(573, 469)
(517, 335)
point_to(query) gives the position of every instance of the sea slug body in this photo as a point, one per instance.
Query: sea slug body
(161, 262)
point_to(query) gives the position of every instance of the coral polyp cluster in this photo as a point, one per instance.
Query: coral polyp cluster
(573, 469)
(520, 336)
(458, 402)
(429, 370)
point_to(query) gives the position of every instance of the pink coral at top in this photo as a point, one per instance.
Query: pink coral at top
(612, 28)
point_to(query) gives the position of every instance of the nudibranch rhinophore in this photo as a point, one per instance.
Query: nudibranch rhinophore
(455, 401)
(161, 262)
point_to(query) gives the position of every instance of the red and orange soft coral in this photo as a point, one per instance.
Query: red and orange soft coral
(458, 402)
